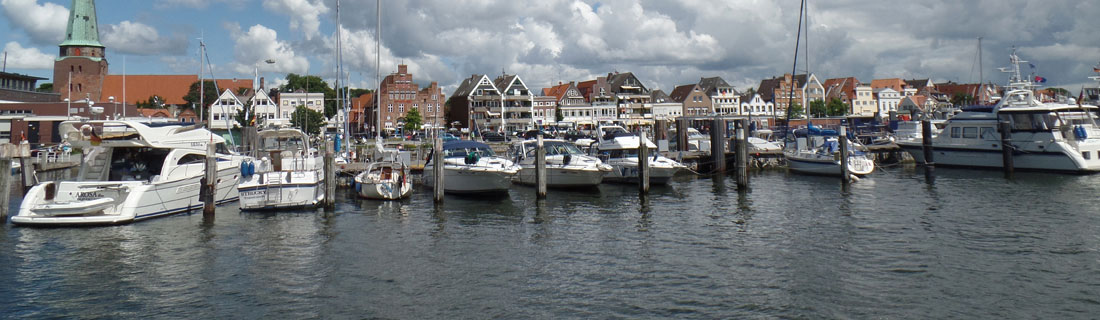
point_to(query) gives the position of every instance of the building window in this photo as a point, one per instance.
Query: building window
(389, 108)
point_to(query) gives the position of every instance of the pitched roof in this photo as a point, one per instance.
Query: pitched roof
(82, 29)
(681, 92)
(834, 87)
(618, 79)
(504, 81)
(892, 83)
(659, 96)
(711, 85)
(557, 91)
(171, 88)
(468, 85)
(767, 87)
(917, 83)
(155, 113)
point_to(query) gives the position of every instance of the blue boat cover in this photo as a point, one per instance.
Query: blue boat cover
(464, 144)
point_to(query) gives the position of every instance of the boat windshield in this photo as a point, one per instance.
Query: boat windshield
(553, 148)
(282, 144)
(462, 152)
(1077, 117)
(625, 153)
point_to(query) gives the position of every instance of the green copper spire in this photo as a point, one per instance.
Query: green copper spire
(83, 29)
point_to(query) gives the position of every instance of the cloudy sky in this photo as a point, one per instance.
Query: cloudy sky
(664, 42)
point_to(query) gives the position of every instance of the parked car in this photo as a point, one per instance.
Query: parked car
(492, 136)
(533, 134)
(447, 136)
(573, 135)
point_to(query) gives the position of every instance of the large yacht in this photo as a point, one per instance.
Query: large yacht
(471, 167)
(566, 165)
(287, 173)
(1055, 137)
(619, 149)
(131, 171)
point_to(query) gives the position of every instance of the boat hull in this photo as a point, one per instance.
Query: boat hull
(1051, 161)
(273, 190)
(562, 177)
(465, 180)
(856, 165)
(628, 173)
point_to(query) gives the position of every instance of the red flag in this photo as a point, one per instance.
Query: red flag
(95, 139)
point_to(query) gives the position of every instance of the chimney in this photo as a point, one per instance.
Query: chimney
(261, 83)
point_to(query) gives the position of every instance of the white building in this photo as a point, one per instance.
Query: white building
(225, 110)
(888, 100)
(757, 107)
(288, 101)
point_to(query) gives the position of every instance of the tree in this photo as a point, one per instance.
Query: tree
(1060, 91)
(836, 107)
(795, 110)
(245, 115)
(558, 116)
(412, 120)
(154, 102)
(817, 108)
(45, 87)
(310, 121)
(312, 84)
(961, 99)
(210, 95)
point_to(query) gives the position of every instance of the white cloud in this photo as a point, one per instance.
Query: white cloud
(141, 39)
(195, 4)
(304, 15)
(359, 48)
(259, 44)
(27, 58)
(45, 23)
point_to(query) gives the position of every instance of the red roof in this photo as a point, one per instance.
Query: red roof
(894, 83)
(170, 87)
(155, 113)
(557, 91)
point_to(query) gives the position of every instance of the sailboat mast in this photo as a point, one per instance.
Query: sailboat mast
(794, 69)
(981, 77)
(378, 71)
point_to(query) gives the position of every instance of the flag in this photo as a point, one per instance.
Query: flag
(1040, 79)
(95, 139)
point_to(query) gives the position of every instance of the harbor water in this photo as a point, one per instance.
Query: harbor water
(969, 244)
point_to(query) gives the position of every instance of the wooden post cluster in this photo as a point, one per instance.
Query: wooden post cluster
(718, 144)
(330, 177)
(643, 164)
(682, 134)
(437, 168)
(742, 155)
(845, 175)
(210, 182)
(1006, 148)
(926, 142)
(540, 169)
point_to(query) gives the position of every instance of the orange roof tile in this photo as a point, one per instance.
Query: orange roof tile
(895, 83)
(170, 87)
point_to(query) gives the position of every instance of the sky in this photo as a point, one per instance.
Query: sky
(664, 42)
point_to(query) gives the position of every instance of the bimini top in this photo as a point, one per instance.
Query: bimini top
(131, 133)
(464, 144)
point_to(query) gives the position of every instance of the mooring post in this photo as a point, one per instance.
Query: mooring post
(926, 142)
(643, 164)
(540, 169)
(210, 183)
(28, 171)
(845, 175)
(5, 186)
(682, 134)
(1006, 149)
(437, 169)
(742, 156)
(718, 144)
(330, 177)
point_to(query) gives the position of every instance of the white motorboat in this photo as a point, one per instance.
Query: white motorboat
(131, 171)
(697, 141)
(1054, 137)
(386, 178)
(762, 142)
(566, 165)
(619, 149)
(471, 167)
(820, 154)
(287, 173)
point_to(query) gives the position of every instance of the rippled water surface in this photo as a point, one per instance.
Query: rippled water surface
(967, 245)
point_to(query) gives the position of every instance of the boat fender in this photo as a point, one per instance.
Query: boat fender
(358, 187)
(566, 159)
(251, 168)
(1080, 133)
(472, 158)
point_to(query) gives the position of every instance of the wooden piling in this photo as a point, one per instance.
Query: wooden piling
(210, 183)
(437, 168)
(540, 169)
(718, 145)
(643, 164)
(28, 172)
(742, 156)
(1006, 149)
(845, 175)
(5, 187)
(926, 142)
(682, 134)
(330, 177)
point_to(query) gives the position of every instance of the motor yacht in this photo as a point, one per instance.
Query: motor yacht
(566, 165)
(287, 172)
(619, 149)
(471, 167)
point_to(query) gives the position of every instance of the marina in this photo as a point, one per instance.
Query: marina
(967, 244)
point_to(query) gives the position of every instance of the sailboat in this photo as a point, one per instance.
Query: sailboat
(817, 150)
(386, 178)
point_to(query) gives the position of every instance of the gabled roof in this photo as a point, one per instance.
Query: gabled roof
(557, 91)
(618, 80)
(505, 82)
(711, 85)
(918, 84)
(892, 83)
(155, 113)
(681, 93)
(659, 96)
(767, 88)
(171, 88)
(834, 87)
(468, 85)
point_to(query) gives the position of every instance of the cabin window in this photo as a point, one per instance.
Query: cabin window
(956, 132)
(970, 132)
(1085, 154)
(989, 134)
(191, 159)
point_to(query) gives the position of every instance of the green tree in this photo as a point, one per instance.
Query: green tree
(154, 102)
(817, 108)
(210, 95)
(412, 120)
(558, 116)
(245, 115)
(1060, 91)
(795, 110)
(310, 121)
(836, 107)
(960, 99)
(312, 84)
(45, 87)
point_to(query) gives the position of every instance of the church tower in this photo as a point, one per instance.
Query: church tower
(81, 56)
